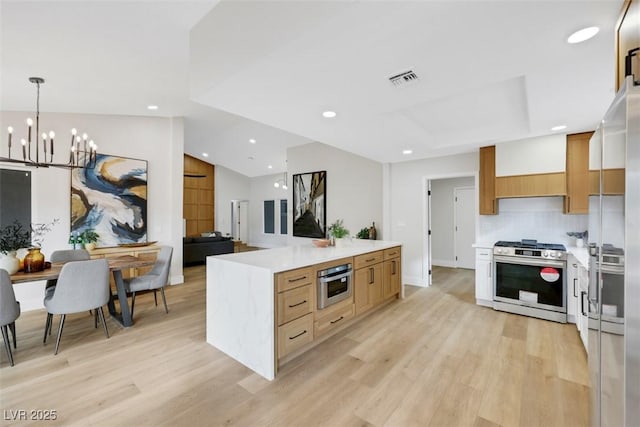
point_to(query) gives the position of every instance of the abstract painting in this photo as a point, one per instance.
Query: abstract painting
(310, 204)
(111, 199)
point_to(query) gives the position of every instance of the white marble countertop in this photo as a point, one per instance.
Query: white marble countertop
(483, 245)
(581, 254)
(291, 257)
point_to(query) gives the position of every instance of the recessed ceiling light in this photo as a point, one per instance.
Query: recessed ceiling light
(407, 152)
(152, 107)
(582, 35)
(253, 141)
(250, 157)
(559, 127)
(329, 114)
(205, 154)
(270, 167)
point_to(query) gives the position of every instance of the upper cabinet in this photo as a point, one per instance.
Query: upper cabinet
(531, 167)
(488, 203)
(577, 199)
(627, 38)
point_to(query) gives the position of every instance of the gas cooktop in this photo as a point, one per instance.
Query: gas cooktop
(530, 244)
(531, 249)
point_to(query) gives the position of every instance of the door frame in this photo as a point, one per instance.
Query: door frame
(426, 217)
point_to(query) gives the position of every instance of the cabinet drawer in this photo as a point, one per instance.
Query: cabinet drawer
(334, 317)
(294, 278)
(368, 259)
(484, 254)
(295, 334)
(392, 253)
(294, 303)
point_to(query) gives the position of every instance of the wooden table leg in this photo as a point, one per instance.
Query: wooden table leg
(124, 317)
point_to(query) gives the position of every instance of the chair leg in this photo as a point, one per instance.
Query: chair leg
(47, 327)
(133, 303)
(104, 323)
(155, 297)
(164, 300)
(95, 319)
(7, 344)
(12, 327)
(62, 316)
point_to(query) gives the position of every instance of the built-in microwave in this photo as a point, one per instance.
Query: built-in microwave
(334, 285)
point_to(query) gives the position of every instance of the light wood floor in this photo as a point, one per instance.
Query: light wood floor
(432, 359)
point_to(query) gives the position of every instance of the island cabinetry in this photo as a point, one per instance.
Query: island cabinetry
(392, 273)
(368, 281)
(295, 301)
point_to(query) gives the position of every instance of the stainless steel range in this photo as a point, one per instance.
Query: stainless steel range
(530, 279)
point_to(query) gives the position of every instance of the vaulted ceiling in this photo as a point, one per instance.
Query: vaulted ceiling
(487, 71)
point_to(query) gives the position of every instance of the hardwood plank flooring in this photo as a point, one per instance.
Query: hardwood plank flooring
(432, 359)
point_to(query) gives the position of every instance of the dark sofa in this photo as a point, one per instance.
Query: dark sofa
(197, 249)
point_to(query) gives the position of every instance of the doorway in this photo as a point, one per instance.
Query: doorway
(451, 222)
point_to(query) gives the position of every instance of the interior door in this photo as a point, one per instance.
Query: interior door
(428, 254)
(464, 223)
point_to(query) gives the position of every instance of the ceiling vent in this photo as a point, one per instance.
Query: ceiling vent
(404, 79)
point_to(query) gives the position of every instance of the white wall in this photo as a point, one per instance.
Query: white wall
(262, 189)
(538, 218)
(160, 141)
(229, 185)
(353, 186)
(442, 216)
(407, 200)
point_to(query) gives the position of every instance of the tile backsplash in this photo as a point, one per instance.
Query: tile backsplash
(538, 218)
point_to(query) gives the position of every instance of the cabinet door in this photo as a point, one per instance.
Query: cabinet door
(577, 199)
(368, 287)
(391, 283)
(488, 204)
(484, 278)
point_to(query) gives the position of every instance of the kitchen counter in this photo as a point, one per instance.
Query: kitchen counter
(241, 309)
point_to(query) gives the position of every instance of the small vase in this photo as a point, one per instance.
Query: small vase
(10, 262)
(33, 261)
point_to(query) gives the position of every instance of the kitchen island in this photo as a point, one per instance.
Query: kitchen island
(243, 290)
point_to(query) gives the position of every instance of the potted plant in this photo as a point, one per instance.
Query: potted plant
(337, 231)
(90, 238)
(363, 234)
(12, 238)
(34, 260)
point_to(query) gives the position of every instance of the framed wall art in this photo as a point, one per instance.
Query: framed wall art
(111, 199)
(310, 204)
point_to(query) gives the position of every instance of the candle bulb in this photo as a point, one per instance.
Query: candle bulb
(24, 149)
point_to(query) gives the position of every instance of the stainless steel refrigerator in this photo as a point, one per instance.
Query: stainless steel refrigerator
(614, 282)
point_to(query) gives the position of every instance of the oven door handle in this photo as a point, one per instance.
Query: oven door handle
(528, 261)
(327, 279)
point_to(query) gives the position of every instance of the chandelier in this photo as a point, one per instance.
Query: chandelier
(81, 154)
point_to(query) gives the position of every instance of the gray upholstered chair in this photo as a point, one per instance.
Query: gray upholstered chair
(82, 285)
(66, 256)
(156, 279)
(9, 312)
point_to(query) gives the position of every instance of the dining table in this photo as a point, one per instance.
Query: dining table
(116, 266)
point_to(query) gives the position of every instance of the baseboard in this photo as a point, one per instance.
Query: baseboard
(484, 303)
(443, 263)
(177, 279)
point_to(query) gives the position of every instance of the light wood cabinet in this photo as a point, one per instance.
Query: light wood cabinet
(295, 334)
(577, 199)
(537, 185)
(392, 273)
(627, 37)
(333, 317)
(368, 283)
(487, 178)
(295, 303)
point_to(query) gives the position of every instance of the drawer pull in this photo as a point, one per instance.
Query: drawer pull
(370, 259)
(297, 279)
(299, 335)
(337, 320)
(372, 278)
(300, 303)
(393, 264)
